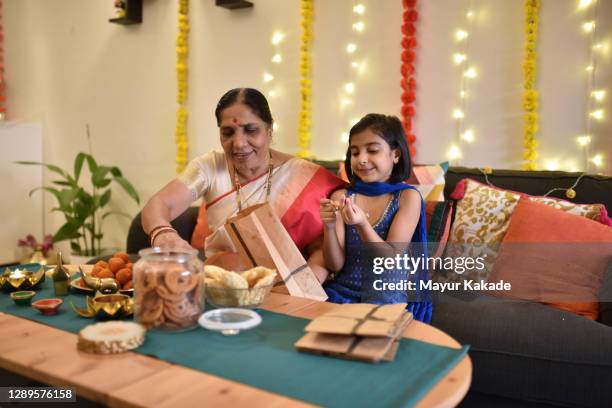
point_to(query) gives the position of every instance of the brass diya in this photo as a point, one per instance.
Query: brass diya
(23, 278)
(103, 285)
(106, 306)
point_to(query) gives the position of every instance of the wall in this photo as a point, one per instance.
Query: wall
(66, 67)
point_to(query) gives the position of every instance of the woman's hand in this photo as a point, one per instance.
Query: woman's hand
(352, 214)
(327, 211)
(171, 240)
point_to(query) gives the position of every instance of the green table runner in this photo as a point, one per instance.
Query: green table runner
(264, 357)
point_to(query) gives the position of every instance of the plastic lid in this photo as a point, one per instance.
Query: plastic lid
(229, 321)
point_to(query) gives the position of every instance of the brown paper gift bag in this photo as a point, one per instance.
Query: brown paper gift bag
(262, 240)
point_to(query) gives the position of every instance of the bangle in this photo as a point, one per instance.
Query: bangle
(161, 231)
(158, 227)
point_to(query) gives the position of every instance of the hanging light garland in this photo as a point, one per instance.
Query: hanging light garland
(270, 84)
(304, 119)
(595, 95)
(530, 94)
(2, 84)
(182, 51)
(468, 73)
(348, 89)
(408, 81)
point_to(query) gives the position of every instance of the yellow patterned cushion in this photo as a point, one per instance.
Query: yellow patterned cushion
(590, 211)
(483, 214)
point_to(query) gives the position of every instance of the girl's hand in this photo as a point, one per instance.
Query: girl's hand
(352, 214)
(327, 211)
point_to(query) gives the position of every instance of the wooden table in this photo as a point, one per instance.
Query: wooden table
(49, 355)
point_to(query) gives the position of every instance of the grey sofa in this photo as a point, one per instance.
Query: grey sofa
(529, 354)
(524, 354)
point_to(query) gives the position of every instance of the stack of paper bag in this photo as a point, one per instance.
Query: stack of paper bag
(357, 331)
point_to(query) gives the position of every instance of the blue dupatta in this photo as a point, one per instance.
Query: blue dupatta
(422, 308)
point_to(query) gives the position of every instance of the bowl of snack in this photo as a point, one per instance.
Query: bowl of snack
(48, 307)
(23, 297)
(114, 275)
(246, 289)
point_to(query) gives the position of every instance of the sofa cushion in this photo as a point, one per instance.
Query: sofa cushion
(595, 212)
(438, 215)
(590, 189)
(529, 351)
(553, 257)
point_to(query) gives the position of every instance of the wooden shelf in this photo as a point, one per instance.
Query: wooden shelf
(234, 4)
(133, 14)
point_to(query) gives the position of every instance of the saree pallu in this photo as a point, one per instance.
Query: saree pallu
(296, 188)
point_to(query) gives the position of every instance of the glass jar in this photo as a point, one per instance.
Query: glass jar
(168, 289)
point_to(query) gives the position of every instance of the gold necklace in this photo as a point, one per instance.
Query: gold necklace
(267, 187)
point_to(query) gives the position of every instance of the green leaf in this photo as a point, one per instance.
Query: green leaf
(127, 186)
(91, 162)
(78, 165)
(76, 248)
(105, 198)
(67, 231)
(116, 212)
(104, 183)
(116, 172)
(51, 190)
(51, 167)
(98, 176)
(62, 183)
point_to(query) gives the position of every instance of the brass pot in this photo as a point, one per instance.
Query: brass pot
(22, 278)
(106, 306)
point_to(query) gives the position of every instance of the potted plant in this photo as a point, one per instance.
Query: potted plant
(83, 207)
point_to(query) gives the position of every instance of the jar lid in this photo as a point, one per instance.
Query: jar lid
(229, 321)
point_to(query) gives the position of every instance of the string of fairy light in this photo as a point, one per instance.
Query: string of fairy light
(595, 95)
(271, 84)
(464, 133)
(348, 90)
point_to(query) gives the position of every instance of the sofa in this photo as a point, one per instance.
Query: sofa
(524, 354)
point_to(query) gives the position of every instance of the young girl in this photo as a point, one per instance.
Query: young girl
(377, 213)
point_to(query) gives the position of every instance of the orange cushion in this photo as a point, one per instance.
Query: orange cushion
(553, 257)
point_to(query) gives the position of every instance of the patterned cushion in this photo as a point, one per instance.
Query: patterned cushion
(482, 217)
(482, 214)
(596, 212)
(429, 180)
(438, 214)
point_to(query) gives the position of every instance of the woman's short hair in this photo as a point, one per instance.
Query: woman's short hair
(391, 130)
(249, 97)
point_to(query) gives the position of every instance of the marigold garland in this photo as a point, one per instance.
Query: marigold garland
(530, 95)
(2, 87)
(304, 119)
(182, 50)
(408, 81)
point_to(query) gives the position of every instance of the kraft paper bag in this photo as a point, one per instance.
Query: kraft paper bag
(262, 240)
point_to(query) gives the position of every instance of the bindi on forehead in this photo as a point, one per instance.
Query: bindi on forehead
(235, 120)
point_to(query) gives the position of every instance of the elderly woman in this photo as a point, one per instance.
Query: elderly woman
(246, 173)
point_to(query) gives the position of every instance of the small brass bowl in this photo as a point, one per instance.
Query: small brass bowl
(24, 277)
(23, 297)
(106, 306)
